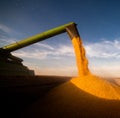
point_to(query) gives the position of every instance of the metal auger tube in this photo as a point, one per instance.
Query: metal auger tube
(39, 37)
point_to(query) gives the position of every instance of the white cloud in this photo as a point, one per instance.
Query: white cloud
(65, 50)
(104, 49)
(6, 35)
(104, 58)
(8, 30)
(35, 54)
(5, 28)
(44, 51)
(7, 41)
(44, 46)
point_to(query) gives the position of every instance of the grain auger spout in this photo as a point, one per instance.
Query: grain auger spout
(5, 51)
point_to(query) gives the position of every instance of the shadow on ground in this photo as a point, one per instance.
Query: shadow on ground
(18, 93)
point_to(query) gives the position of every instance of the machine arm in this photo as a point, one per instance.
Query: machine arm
(39, 37)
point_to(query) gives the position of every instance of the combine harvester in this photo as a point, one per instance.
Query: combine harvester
(11, 65)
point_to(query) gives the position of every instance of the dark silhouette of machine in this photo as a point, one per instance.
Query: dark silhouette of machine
(11, 65)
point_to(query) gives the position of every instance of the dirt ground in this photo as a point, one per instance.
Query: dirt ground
(59, 97)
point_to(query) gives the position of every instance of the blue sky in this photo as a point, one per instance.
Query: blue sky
(98, 22)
